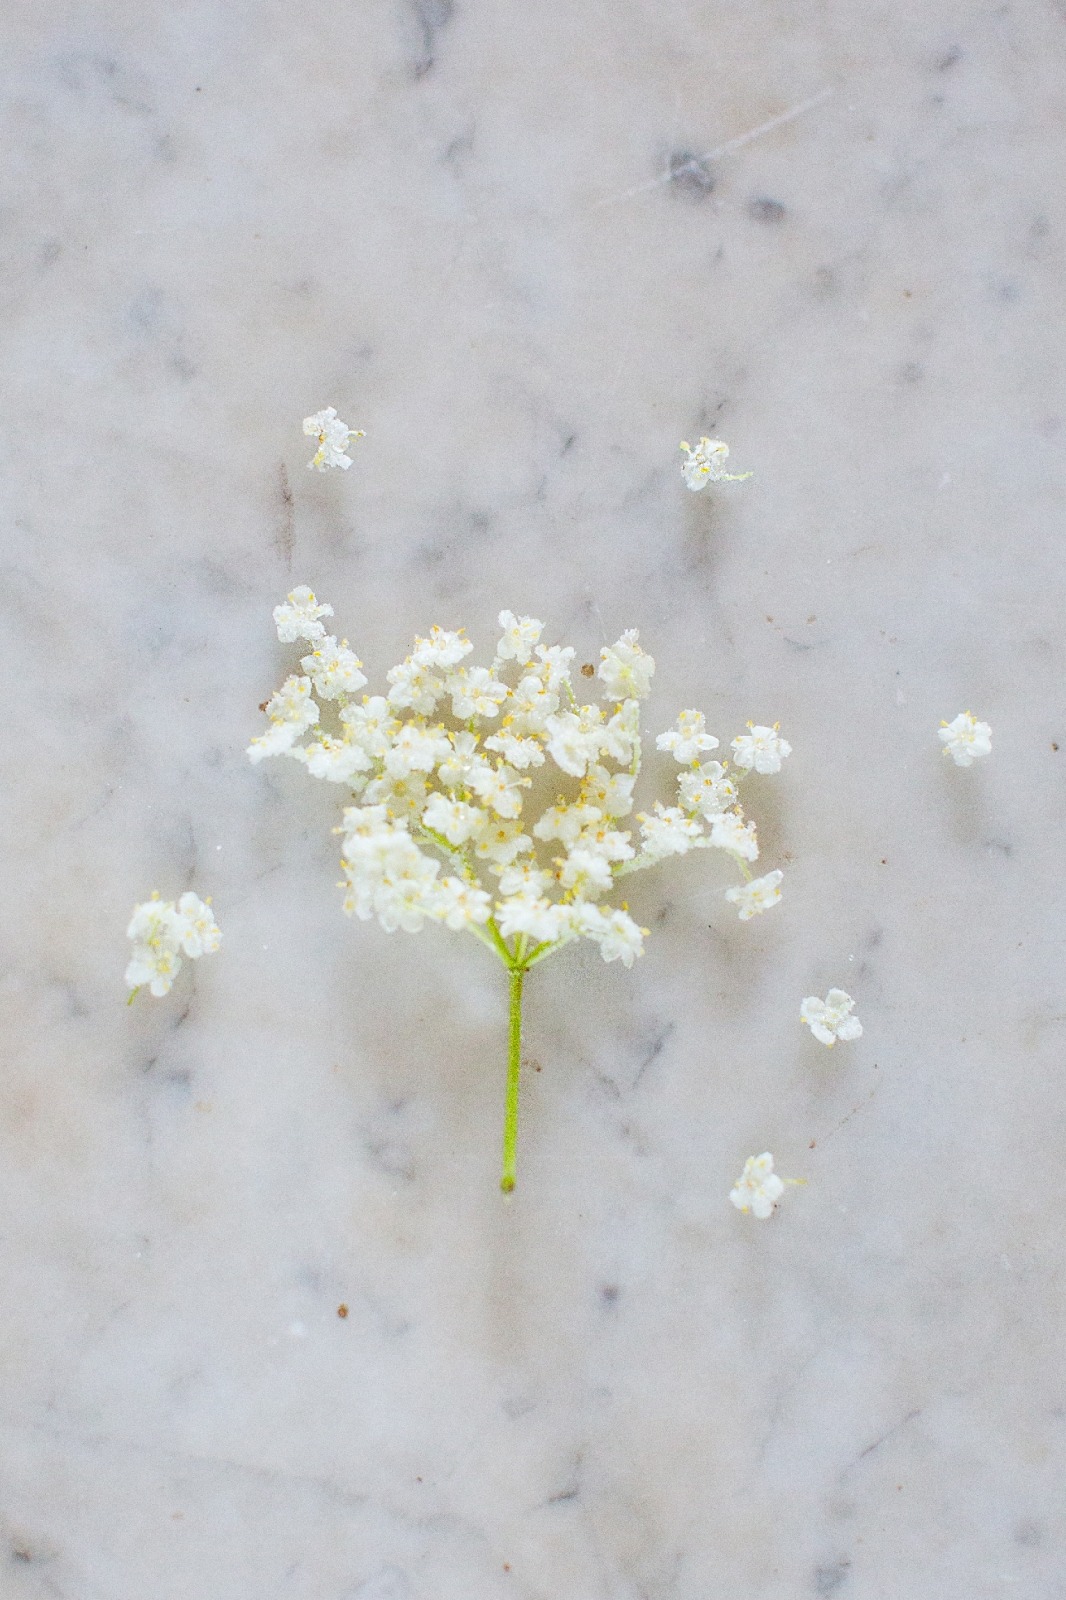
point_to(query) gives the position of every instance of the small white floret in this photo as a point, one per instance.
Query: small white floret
(965, 739)
(705, 464)
(761, 748)
(626, 670)
(520, 637)
(334, 437)
(830, 1019)
(298, 617)
(758, 1189)
(758, 895)
(687, 738)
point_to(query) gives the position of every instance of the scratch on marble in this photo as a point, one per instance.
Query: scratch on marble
(888, 1434)
(725, 149)
(285, 540)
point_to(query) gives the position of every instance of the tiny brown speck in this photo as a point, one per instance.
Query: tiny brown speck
(263, 705)
(884, 861)
(342, 1311)
(587, 671)
(812, 618)
(769, 619)
(1054, 746)
(507, 1566)
(812, 1144)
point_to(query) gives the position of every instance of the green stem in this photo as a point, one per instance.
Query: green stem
(514, 1067)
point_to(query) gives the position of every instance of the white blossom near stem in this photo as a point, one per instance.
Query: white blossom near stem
(161, 932)
(626, 670)
(705, 464)
(334, 437)
(830, 1019)
(706, 789)
(758, 1189)
(965, 739)
(688, 737)
(729, 831)
(761, 748)
(333, 669)
(460, 822)
(298, 617)
(758, 895)
(521, 635)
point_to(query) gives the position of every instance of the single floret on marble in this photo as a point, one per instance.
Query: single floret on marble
(758, 1189)
(965, 739)
(334, 437)
(705, 464)
(830, 1019)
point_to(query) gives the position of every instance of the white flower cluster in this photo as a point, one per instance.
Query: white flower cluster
(162, 932)
(334, 437)
(705, 464)
(830, 1019)
(457, 771)
(965, 739)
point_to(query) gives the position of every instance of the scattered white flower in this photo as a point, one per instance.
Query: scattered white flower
(758, 1189)
(687, 738)
(334, 437)
(758, 895)
(830, 1019)
(761, 748)
(161, 932)
(965, 739)
(298, 617)
(706, 464)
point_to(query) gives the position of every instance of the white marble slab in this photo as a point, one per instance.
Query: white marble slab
(458, 224)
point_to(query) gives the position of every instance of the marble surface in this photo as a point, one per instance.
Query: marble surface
(528, 249)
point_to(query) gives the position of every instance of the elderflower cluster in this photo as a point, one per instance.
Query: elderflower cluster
(162, 932)
(965, 739)
(334, 437)
(490, 799)
(705, 463)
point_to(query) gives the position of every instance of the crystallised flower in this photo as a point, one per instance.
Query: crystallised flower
(758, 1189)
(705, 464)
(965, 739)
(334, 437)
(830, 1019)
